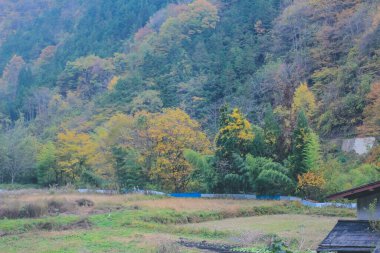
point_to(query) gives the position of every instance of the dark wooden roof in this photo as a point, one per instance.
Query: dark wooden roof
(351, 236)
(357, 192)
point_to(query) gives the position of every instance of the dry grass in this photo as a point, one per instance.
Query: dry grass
(144, 226)
(154, 240)
(97, 198)
(14, 205)
(68, 202)
(226, 205)
(307, 230)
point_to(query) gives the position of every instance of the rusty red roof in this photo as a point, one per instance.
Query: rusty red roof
(354, 193)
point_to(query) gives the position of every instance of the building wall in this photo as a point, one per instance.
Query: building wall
(363, 207)
(360, 146)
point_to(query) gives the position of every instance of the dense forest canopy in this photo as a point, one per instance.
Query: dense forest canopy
(217, 95)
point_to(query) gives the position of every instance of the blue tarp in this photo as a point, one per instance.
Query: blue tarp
(267, 197)
(186, 195)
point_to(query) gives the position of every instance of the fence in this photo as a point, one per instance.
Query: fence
(97, 191)
(229, 196)
(263, 197)
(186, 195)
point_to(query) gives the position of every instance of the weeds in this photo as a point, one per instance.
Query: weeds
(168, 248)
(132, 218)
(15, 210)
(84, 202)
(57, 206)
(33, 210)
(373, 221)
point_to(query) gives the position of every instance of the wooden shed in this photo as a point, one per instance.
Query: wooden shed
(365, 195)
(356, 235)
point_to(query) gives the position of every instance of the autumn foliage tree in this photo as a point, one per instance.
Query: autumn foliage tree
(172, 132)
(374, 156)
(87, 76)
(235, 134)
(76, 153)
(303, 99)
(109, 84)
(233, 142)
(125, 150)
(149, 148)
(371, 122)
(310, 185)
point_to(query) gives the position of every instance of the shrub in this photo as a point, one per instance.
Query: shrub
(10, 210)
(33, 210)
(84, 202)
(17, 209)
(14, 210)
(278, 246)
(310, 185)
(60, 206)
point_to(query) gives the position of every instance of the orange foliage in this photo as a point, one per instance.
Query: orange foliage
(310, 184)
(142, 33)
(371, 122)
(374, 156)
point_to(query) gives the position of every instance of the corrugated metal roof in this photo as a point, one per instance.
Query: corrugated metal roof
(357, 192)
(351, 236)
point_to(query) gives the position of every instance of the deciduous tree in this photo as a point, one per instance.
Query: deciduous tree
(47, 170)
(303, 99)
(18, 152)
(76, 153)
(172, 132)
(371, 122)
(235, 134)
(233, 141)
(128, 169)
(310, 185)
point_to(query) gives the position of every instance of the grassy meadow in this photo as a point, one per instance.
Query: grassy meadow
(41, 221)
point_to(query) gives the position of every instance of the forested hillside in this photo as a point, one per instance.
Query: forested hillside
(177, 95)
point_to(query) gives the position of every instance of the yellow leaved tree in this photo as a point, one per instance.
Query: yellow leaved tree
(304, 99)
(171, 132)
(310, 185)
(76, 153)
(235, 134)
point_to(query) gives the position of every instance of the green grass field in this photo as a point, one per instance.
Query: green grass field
(151, 224)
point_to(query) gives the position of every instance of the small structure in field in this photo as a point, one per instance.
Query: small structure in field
(362, 235)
